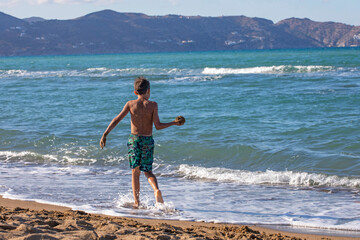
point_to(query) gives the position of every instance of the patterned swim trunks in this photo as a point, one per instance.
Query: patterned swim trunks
(140, 151)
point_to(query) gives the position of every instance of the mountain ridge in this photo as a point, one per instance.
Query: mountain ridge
(108, 31)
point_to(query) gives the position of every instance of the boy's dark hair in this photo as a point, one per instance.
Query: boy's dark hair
(141, 85)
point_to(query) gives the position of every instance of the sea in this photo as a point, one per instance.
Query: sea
(272, 137)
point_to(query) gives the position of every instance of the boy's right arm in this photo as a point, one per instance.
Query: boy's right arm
(113, 124)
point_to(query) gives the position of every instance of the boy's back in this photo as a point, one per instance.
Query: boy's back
(142, 112)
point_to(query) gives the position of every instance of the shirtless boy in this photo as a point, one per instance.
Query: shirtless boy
(141, 144)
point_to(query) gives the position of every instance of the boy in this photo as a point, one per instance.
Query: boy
(141, 144)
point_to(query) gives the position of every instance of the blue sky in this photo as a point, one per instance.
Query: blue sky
(345, 11)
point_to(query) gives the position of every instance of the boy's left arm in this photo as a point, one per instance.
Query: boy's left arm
(159, 125)
(113, 124)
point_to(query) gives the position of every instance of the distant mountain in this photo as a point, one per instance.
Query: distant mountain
(34, 19)
(7, 21)
(113, 32)
(322, 34)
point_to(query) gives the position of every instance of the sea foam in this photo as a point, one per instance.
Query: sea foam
(28, 156)
(92, 72)
(268, 70)
(268, 177)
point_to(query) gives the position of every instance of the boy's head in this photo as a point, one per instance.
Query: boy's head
(141, 85)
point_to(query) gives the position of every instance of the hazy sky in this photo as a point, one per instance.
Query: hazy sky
(345, 11)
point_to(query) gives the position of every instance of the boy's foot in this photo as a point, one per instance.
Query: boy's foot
(136, 205)
(158, 196)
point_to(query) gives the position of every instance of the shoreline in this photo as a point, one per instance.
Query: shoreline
(26, 218)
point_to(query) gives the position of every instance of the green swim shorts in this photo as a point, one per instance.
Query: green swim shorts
(141, 151)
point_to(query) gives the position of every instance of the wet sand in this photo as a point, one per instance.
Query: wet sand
(32, 220)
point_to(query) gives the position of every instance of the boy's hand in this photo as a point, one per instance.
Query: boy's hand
(103, 141)
(180, 120)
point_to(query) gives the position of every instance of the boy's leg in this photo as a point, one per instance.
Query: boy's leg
(136, 186)
(153, 182)
(134, 152)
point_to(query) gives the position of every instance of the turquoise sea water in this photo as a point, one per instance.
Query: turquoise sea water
(271, 137)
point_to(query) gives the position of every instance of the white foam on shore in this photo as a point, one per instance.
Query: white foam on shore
(267, 70)
(268, 177)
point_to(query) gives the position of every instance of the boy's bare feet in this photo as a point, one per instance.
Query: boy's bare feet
(158, 196)
(136, 205)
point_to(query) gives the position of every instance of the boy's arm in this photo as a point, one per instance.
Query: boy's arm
(113, 124)
(159, 125)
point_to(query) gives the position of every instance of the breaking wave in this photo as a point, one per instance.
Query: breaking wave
(268, 177)
(91, 72)
(62, 156)
(268, 70)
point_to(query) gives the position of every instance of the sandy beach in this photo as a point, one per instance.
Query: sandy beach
(32, 220)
